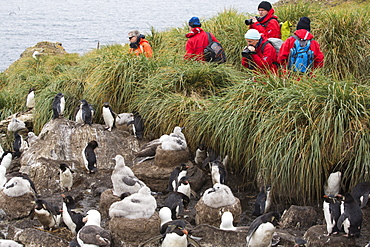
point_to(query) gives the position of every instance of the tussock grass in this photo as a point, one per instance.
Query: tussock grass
(292, 130)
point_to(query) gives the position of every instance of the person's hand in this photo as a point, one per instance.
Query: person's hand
(254, 19)
(251, 48)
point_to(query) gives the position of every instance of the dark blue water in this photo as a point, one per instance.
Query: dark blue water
(80, 24)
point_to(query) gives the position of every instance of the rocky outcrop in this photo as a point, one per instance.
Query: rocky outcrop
(62, 140)
(315, 238)
(106, 199)
(212, 216)
(171, 158)
(12, 208)
(37, 238)
(299, 217)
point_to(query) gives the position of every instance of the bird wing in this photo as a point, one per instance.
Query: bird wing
(92, 234)
(192, 241)
(341, 219)
(151, 240)
(130, 181)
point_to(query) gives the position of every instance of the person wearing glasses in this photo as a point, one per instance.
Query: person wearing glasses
(138, 44)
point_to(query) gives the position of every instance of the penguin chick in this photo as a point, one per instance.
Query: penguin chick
(16, 125)
(108, 116)
(89, 156)
(9, 243)
(227, 221)
(332, 185)
(65, 177)
(48, 215)
(58, 105)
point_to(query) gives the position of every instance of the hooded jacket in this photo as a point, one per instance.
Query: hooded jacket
(197, 41)
(289, 43)
(268, 25)
(143, 48)
(264, 59)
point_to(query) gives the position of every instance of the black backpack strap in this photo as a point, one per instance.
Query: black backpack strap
(263, 46)
(209, 37)
(265, 23)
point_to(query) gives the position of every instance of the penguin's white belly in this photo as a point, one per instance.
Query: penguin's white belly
(215, 175)
(346, 225)
(68, 220)
(84, 159)
(79, 117)
(62, 105)
(330, 223)
(108, 118)
(262, 237)
(174, 240)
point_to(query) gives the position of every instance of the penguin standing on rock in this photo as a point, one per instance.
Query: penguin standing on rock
(58, 105)
(200, 154)
(262, 229)
(176, 175)
(263, 201)
(86, 112)
(65, 177)
(351, 216)
(138, 124)
(89, 156)
(331, 207)
(48, 215)
(71, 217)
(361, 193)
(218, 172)
(108, 116)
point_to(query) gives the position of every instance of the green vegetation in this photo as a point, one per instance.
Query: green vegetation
(292, 131)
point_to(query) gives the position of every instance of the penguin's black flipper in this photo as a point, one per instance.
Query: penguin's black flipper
(151, 240)
(341, 219)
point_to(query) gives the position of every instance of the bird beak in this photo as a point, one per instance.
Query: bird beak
(63, 195)
(84, 219)
(185, 231)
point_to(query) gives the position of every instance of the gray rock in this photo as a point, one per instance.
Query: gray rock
(106, 199)
(315, 238)
(171, 158)
(16, 207)
(301, 217)
(36, 238)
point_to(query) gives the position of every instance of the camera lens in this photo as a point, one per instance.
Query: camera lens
(248, 22)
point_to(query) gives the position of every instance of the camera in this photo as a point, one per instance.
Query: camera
(248, 22)
(246, 52)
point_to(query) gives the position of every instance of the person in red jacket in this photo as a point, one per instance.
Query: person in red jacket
(258, 55)
(197, 40)
(267, 23)
(138, 44)
(303, 33)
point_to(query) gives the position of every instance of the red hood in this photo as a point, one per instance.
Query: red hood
(269, 15)
(303, 34)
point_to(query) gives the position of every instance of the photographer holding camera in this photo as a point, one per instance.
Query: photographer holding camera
(267, 23)
(258, 55)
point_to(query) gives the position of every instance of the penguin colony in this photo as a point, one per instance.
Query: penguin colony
(342, 212)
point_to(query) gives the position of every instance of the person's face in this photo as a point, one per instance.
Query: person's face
(252, 42)
(132, 39)
(262, 12)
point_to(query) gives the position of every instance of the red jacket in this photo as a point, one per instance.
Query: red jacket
(265, 60)
(268, 25)
(289, 43)
(198, 40)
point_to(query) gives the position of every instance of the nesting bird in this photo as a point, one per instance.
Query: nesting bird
(138, 205)
(123, 179)
(65, 177)
(262, 229)
(6, 160)
(30, 102)
(58, 105)
(16, 125)
(19, 145)
(108, 116)
(89, 156)
(174, 141)
(218, 196)
(48, 215)
(31, 138)
(227, 221)
(9, 243)
(92, 234)
(18, 186)
(124, 118)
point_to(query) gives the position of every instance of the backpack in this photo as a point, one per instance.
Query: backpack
(275, 42)
(300, 56)
(284, 28)
(214, 51)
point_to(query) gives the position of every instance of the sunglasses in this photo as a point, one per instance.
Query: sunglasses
(130, 37)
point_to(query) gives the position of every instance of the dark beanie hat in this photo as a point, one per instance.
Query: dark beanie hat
(304, 23)
(265, 5)
(194, 22)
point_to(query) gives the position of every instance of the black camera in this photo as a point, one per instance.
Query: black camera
(248, 22)
(246, 52)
